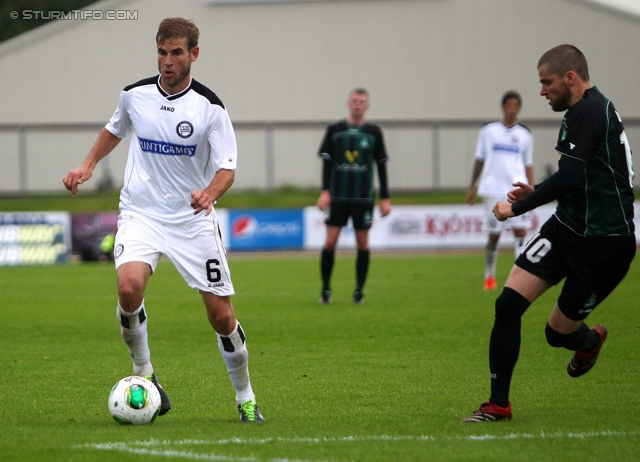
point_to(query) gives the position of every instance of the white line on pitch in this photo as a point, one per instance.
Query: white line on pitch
(419, 438)
(164, 448)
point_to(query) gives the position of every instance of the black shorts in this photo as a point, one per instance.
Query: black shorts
(592, 266)
(361, 214)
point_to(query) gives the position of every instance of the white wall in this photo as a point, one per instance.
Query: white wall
(296, 61)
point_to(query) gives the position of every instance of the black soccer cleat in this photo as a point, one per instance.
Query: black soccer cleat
(358, 297)
(325, 297)
(581, 362)
(165, 402)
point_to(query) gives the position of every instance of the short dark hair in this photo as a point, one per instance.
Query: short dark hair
(564, 58)
(360, 91)
(511, 94)
(178, 28)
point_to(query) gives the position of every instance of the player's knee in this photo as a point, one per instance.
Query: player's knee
(510, 306)
(130, 293)
(330, 246)
(220, 313)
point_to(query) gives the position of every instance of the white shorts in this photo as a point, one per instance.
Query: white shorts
(195, 249)
(490, 223)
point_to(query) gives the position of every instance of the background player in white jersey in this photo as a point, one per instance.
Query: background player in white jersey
(504, 156)
(182, 158)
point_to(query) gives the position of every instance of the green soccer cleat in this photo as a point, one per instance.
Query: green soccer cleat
(250, 412)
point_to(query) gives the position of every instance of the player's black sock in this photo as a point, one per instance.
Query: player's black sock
(583, 339)
(504, 345)
(591, 339)
(326, 266)
(362, 267)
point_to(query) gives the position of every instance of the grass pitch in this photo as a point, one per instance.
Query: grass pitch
(385, 381)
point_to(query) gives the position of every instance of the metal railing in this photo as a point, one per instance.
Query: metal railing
(24, 161)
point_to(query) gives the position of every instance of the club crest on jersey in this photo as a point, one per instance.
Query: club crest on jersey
(184, 129)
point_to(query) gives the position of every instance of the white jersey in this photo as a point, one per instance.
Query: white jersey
(505, 153)
(179, 142)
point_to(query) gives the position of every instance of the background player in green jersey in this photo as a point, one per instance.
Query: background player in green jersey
(349, 149)
(589, 241)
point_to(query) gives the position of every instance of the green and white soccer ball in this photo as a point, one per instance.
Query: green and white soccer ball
(134, 400)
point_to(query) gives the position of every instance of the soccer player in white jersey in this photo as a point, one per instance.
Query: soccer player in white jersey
(504, 156)
(182, 158)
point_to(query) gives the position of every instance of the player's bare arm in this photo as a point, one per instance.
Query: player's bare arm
(324, 201)
(385, 207)
(529, 173)
(521, 191)
(471, 192)
(204, 199)
(105, 143)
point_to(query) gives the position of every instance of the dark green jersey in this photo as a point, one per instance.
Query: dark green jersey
(593, 184)
(349, 154)
(602, 203)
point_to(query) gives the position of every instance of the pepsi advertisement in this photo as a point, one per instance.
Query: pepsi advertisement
(266, 229)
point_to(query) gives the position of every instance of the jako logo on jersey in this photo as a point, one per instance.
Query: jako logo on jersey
(184, 129)
(167, 149)
(243, 227)
(167, 108)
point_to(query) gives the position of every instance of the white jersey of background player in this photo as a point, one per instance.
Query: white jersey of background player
(504, 155)
(182, 158)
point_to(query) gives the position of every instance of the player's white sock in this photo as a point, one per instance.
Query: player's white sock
(518, 245)
(490, 261)
(133, 328)
(236, 357)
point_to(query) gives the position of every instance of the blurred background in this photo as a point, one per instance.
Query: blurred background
(436, 70)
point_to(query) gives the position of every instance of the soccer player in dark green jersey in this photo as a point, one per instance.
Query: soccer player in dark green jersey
(349, 150)
(589, 241)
